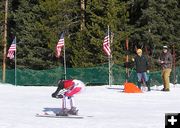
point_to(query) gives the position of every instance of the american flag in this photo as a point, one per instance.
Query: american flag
(106, 45)
(60, 45)
(12, 49)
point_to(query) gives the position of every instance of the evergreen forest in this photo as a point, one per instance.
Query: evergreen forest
(38, 24)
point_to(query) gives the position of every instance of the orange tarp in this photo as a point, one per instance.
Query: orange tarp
(131, 88)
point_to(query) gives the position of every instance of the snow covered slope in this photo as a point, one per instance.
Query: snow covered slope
(106, 108)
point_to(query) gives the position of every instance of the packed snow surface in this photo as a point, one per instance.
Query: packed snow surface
(102, 107)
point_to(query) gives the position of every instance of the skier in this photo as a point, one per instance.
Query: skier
(65, 91)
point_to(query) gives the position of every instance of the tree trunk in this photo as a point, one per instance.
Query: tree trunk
(5, 42)
(82, 14)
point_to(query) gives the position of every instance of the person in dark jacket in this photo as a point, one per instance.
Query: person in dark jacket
(165, 60)
(141, 66)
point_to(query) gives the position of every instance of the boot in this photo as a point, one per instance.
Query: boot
(73, 111)
(63, 112)
(148, 85)
(139, 85)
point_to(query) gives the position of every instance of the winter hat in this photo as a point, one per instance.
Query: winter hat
(165, 47)
(139, 51)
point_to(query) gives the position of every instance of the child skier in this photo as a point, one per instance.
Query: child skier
(65, 91)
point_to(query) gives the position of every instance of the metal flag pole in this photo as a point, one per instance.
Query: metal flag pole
(15, 70)
(64, 62)
(109, 59)
(111, 62)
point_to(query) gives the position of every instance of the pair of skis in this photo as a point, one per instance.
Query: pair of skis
(63, 113)
(59, 116)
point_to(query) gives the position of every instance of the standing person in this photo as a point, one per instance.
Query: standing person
(165, 60)
(141, 66)
(65, 91)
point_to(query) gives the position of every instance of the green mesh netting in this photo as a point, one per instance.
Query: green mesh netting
(94, 76)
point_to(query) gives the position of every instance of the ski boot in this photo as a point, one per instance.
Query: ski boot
(73, 111)
(148, 85)
(139, 85)
(60, 96)
(54, 95)
(63, 112)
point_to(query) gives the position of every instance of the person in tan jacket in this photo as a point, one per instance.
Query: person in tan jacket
(165, 60)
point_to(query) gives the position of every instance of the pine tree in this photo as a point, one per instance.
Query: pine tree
(155, 24)
(31, 47)
(88, 43)
(38, 25)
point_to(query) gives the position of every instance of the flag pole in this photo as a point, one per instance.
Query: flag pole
(64, 62)
(15, 70)
(59, 47)
(15, 64)
(111, 63)
(109, 59)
